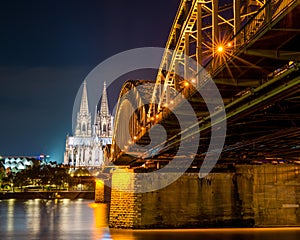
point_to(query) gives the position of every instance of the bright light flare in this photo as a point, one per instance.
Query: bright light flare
(220, 49)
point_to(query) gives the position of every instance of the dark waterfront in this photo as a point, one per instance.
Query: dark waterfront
(83, 219)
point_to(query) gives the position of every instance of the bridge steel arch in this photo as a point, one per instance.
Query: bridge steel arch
(128, 126)
(242, 46)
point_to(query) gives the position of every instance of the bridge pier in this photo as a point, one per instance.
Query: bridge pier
(102, 189)
(99, 191)
(251, 195)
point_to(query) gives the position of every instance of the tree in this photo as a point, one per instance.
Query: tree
(22, 179)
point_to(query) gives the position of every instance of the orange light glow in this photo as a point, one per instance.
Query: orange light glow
(220, 49)
(186, 84)
(99, 215)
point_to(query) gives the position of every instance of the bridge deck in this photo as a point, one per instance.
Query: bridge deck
(260, 84)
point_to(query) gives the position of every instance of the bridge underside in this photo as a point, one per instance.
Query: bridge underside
(259, 83)
(269, 130)
(269, 49)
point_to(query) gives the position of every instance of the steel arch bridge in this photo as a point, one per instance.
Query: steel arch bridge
(250, 48)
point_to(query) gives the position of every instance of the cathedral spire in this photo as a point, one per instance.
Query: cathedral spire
(95, 123)
(95, 115)
(104, 102)
(83, 126)
(84, 106)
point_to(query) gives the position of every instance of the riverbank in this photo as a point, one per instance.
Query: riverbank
(48, 195)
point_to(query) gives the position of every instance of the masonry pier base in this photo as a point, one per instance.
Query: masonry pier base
(248, 196)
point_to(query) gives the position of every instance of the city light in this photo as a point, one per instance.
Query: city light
(220, 49)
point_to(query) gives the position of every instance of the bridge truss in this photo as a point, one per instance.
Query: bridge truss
(250, 50)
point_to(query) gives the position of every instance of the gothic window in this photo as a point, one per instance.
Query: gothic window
(83, 127)
(104, 127)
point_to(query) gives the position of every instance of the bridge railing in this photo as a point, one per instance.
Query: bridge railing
(279, 6)
(260, 21)
(265, 15)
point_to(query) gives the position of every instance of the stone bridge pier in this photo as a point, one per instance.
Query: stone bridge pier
(247, 196)
(102, 188)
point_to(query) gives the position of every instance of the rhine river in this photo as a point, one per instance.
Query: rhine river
(83, 219)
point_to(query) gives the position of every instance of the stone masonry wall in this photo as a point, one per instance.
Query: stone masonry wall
(272, 193)
(192, 202)
(253, 195)
(125, 203)
(99, 191)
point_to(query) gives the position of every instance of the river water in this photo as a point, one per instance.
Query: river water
(83, 219)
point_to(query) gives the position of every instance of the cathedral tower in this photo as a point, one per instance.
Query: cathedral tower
(104, 120)
(83, 126)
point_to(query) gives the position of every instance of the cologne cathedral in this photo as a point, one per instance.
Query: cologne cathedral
(85, 148)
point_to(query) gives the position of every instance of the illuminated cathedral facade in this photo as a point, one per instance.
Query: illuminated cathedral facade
(85, 148)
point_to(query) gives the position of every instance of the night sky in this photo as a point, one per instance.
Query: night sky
(47, 48)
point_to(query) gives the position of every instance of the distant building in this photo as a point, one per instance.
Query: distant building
(15, 164)
(85, 148)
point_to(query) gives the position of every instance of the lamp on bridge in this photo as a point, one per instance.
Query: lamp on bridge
(186, 83)
(220, 49)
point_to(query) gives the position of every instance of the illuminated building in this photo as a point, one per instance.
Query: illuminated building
(85, 148)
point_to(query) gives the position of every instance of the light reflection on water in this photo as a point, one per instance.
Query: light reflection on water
(82, 219)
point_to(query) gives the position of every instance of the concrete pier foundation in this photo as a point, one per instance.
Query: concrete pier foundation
(102, 189)
(251, 195)
(99, 191)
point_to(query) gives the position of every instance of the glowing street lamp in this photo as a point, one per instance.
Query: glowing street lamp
(220, 49)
